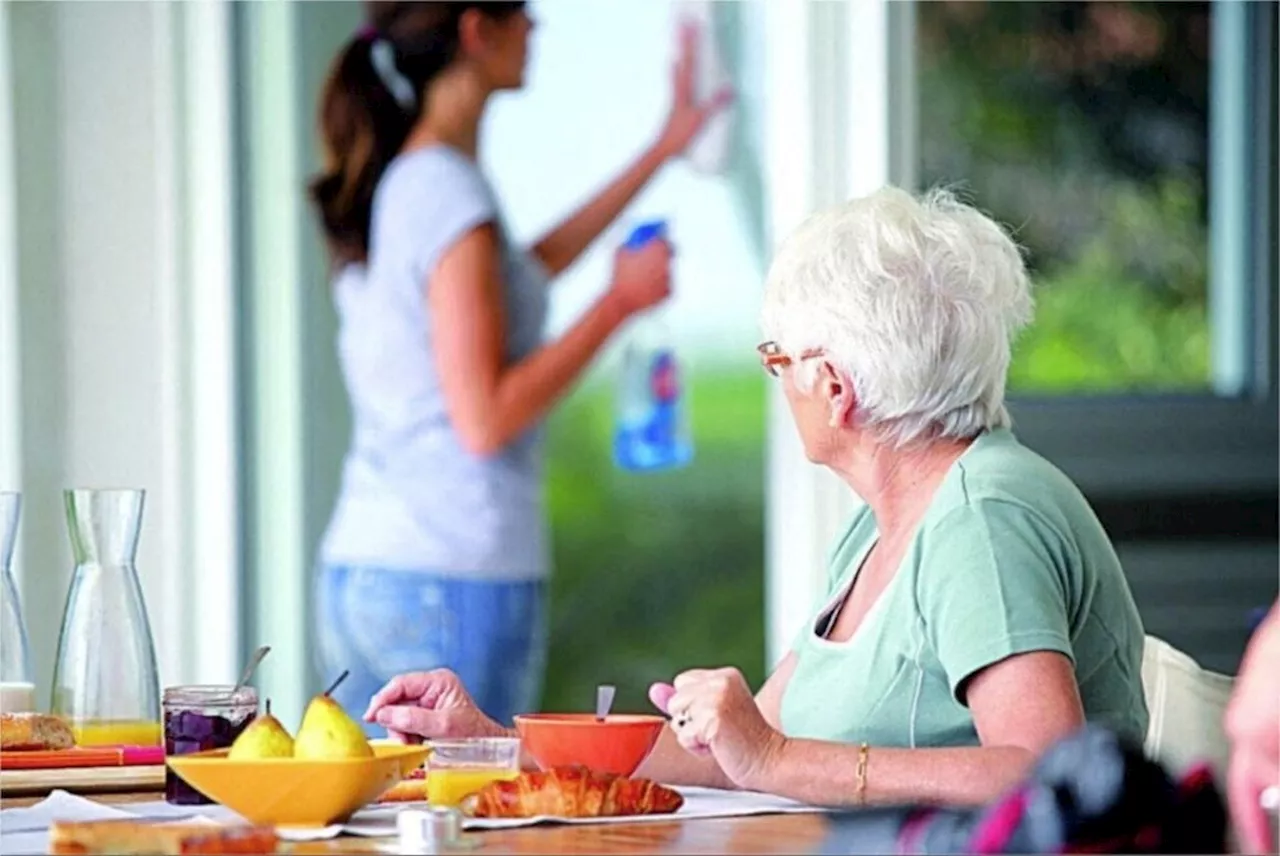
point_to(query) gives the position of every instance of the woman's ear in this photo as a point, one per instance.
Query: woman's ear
(472, 33)
(837, 389)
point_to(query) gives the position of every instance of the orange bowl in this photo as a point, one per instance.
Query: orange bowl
(617, 745)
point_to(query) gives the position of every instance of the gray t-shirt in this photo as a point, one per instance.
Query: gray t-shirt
(412, 496)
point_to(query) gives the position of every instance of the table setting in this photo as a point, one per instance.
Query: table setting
(118, 764)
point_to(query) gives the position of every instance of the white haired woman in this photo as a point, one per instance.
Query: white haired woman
(976, 611)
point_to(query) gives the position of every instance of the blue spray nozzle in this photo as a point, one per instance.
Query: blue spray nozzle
(646, 232)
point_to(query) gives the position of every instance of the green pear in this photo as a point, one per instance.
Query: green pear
(327, 731)
(264, 738)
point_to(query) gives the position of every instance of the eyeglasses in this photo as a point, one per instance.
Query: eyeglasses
(774, 360)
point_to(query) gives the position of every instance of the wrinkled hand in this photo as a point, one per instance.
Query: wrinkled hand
(713, 712)
(1253, 726)
(428, 705)
(688, 115)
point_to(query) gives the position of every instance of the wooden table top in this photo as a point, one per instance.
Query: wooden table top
(783, 833)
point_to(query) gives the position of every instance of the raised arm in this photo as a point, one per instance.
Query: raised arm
(490, 402)
(561, 247)
(567, 241)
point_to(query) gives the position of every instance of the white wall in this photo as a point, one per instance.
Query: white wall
(104, 281)
(10, 421)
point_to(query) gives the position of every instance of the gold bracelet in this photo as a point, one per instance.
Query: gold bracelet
(861, 772)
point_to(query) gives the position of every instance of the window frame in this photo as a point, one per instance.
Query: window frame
(820, 60)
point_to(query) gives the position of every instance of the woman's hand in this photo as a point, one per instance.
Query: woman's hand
(641, 277)
(688, 115)
(713, 712)
(428, 705)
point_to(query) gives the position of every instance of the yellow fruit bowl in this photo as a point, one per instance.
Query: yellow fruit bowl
(293, 792)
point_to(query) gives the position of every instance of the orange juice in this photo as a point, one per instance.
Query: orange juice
(449, 785)
(116, 732)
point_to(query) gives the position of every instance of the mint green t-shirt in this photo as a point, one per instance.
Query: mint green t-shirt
(1008, 559)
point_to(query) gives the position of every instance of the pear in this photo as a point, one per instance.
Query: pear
(264, 738)
(328, 732)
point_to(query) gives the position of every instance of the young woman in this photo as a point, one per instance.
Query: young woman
(436, 553)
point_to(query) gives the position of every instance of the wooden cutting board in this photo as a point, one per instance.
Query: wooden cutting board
(81, 780)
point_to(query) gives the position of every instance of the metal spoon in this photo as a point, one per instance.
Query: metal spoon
(604, 700)
(262, 651)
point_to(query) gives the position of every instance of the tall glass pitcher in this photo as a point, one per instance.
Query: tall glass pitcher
(105, 681)
(17, 689)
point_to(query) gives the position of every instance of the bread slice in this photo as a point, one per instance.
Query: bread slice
(411, 789)
(140, 838)
(34, 731)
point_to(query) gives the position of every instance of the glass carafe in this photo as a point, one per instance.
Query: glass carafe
(17, 689)
(105, 681)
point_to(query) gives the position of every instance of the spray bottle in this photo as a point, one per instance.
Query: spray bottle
(651, 430)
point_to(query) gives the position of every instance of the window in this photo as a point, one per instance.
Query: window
(653, 573)
(1114, 138)
(1131, 147)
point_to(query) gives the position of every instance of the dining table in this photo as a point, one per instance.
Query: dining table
(760, 834)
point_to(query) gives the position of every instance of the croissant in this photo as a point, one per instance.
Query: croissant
(571, 792)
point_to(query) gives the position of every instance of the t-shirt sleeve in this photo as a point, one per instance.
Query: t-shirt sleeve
(432, 203)
(992, 585)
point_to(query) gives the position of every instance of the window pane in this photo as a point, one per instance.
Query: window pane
(653, 572)
(1086, 128)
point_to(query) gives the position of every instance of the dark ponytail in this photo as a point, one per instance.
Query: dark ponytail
(365, 119)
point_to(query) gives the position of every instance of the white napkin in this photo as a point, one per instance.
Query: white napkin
(709, 151)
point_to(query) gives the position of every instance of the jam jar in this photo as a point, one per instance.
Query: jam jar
(198, 719)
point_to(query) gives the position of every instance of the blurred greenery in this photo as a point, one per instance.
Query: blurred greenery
(1082, 126)
(656, 572)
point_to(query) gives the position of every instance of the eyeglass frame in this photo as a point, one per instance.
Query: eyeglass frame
(773, 360)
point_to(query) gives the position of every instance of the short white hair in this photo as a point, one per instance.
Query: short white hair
(918, 301)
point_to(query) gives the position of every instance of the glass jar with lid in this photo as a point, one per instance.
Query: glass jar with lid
(200, 719)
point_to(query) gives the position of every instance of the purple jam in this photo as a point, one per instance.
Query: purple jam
(187, 731)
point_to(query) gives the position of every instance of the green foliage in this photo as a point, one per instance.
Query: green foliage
(656, 572)
(1055, 132)
(1128, 312)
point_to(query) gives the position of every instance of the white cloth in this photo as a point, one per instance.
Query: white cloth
(1187, 704)
(26, 830)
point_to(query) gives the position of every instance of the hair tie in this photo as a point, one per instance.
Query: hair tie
(382, 55)
(367, 33)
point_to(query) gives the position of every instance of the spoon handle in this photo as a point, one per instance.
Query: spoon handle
(263, 650)
(604, 700)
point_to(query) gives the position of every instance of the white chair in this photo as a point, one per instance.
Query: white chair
(1186, 704)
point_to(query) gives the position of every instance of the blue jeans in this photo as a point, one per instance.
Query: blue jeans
(379, 623)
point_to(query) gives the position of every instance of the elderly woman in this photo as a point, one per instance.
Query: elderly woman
(976, 611)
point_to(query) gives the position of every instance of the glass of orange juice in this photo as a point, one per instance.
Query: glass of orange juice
(458, 768)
